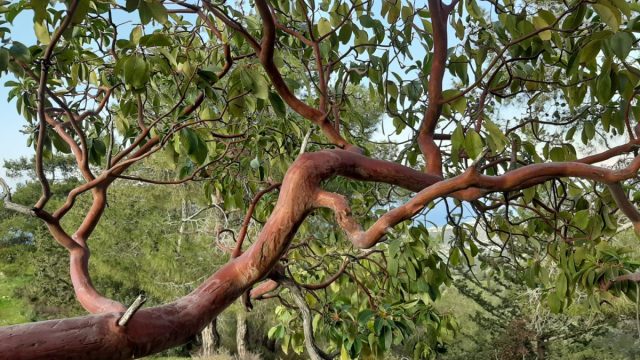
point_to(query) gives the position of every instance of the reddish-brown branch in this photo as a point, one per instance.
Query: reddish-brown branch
(472, 179)
(44, 74)
(426, 142)
(633, 277)
(328, 281)
(627, 208)
(343, 267)
(264, 288)
(86, 294)
(58, 127)
(265, 55)
(237, 251)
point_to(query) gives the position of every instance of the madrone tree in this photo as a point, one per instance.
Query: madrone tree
(521, 115)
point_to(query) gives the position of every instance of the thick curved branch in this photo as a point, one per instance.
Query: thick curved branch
(339, 205)
(426, 142)
(79, 254)
(627, 208)
(509, 181)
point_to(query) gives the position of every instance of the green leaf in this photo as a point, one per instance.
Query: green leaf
(260, 86)
(541, 23)
(497, 140)
(81, 11)
(278, 105)
(569, 135)
(556, 154)
(136, 72)
(610, 15)
(561, 285)
(474, 10)
(555, 304)
(145, 12)
(324, 26)
(194, 146)
(60, 144)
(42, 32)
(603, 88)
(4, 59)
(136, 34)
(39, 10)
(460, 104)
(589, 130)
(364, 316)
(454, 256)
(255, 163)
(581, 219)
(275, 332)
(20, 52)
(473, 144)
(590, 51)
(156, 39)
(394, 12)
(621, 44)
(575, 18)
(388, 337)
(393, 266)
(189, 140)
(411, 271)
(158, 12)
(132, 5)
(344, 35)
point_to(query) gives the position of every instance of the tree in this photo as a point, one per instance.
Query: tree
(230, 96)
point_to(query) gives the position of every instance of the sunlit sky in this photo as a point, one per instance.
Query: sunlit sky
(13, 144)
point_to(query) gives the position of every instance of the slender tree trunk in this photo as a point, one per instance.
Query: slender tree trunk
(313, 351)
(241, 334)
(541, 347)
(182, 230)
(210, 338)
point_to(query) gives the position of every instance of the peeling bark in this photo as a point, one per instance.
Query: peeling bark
(241, 334)
(210, 339)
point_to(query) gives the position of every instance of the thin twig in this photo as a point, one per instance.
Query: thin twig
(137, 303)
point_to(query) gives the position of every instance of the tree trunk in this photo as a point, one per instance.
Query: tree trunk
(210, 339)
(541, 347)
(241, 334)
(183, 219)
(313, 351)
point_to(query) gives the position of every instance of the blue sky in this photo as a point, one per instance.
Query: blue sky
(13, 143)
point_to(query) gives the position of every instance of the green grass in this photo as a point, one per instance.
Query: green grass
(13, 310)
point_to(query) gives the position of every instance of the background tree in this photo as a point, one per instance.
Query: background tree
(222, 91)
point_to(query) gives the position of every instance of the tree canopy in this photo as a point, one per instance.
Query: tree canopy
(340, 130)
